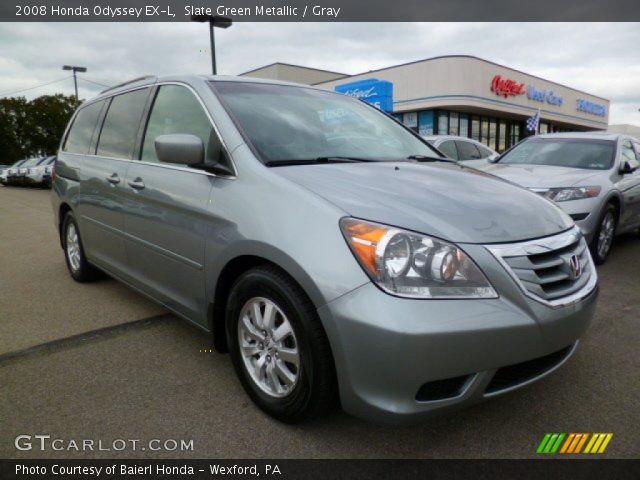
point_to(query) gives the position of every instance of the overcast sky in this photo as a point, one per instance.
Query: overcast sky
(600, 58)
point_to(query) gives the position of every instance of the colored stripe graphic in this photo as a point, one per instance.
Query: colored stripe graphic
(573, 443)
(550, 443)
(598, 443)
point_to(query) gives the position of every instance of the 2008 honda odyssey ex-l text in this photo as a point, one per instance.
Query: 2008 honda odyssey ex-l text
(330, 250)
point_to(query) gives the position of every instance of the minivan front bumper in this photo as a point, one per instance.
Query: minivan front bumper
(399, 359)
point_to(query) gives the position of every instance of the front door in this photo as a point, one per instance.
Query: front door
(166, 216)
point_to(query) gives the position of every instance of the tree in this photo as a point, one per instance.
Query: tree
(13, 129)
(33, 128)
(48, 117)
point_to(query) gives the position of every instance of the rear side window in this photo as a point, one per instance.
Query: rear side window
(176, 110)
(449, 149)
(120, 127)
(79, 138)
(467, 151)
(627, 151)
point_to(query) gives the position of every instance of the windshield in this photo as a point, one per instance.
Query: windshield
(287, 123)
(563, 152)
(32, 162)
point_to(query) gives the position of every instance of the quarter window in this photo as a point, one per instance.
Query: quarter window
(467, 150)
(177, 110)
(120, 128)
(627, 151)
(79, 137)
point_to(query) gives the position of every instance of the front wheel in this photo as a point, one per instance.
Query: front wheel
(606, 232)
(278, 346)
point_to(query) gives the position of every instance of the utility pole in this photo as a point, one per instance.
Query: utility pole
(75, 80)
(214, 21)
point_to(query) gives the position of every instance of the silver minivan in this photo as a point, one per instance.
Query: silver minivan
(333, 252)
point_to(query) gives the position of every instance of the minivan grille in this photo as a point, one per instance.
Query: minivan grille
(551, 268)
(549, 275)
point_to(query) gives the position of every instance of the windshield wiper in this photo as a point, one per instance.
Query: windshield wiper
(426, 158)
(316, 161)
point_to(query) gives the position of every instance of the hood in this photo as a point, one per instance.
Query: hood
(540, 176)
(445, 200)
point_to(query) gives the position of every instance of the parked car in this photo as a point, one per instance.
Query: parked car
(466, 150)
(327, 247)
(40, 175)
(7, 175)
(594, 177)
(19, 176)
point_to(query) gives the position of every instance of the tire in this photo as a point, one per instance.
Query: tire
(79, 268)
(271, 387)
(605, 234)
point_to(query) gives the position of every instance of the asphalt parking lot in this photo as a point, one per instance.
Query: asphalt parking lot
(101, 362)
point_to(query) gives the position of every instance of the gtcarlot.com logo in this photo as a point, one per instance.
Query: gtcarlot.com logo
(574, 443)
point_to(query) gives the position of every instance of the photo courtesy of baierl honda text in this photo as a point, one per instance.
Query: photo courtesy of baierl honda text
(320, 240)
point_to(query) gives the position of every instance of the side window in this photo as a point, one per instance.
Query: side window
(120, 127)
(449, 149)
(627, 151)
(467, 150)
(637, 147)
(79, 137)
(177, 110)
(485, 152)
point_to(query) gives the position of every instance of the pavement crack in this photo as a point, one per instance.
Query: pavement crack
(81, 339)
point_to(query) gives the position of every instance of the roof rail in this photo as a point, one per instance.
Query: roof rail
(138, 79)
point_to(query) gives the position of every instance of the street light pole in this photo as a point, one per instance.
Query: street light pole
(214, 21)
(75, 79)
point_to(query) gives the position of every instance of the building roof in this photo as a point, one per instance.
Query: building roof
(294, 66)
(459, 56)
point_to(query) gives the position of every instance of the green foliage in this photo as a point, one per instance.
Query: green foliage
(33, 128)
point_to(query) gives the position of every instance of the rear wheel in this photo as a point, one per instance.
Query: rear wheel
(79, 268)
(278, 346)
(606, 232)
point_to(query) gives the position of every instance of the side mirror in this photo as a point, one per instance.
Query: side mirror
(494, 159)
(180, 148)
(629, 166)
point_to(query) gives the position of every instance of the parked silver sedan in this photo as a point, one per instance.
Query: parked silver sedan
(594, 177)
(466, 150)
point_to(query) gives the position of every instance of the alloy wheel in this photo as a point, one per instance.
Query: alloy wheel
(607, 232)
(73, 247)
(268, 347)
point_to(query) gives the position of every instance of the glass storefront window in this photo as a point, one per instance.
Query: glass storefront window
(475, 128)
(464, 125)
(493, 133)
(544, 127)
(502, 136)
(484, 131)
(425, 122)
(515, 134)
(443, 122)
(453, 123)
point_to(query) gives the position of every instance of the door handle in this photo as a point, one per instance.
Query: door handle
(137, 184)
(114, 179)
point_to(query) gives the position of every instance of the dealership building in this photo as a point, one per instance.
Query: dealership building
(461, 95)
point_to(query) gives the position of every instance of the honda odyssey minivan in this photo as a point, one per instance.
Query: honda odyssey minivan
(331, 251)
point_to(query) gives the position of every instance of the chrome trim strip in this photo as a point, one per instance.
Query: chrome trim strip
(543, 245)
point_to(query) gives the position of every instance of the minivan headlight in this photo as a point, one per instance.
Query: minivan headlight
(412, 265)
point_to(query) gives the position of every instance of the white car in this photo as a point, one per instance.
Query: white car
(465, 150)
(40, 175)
